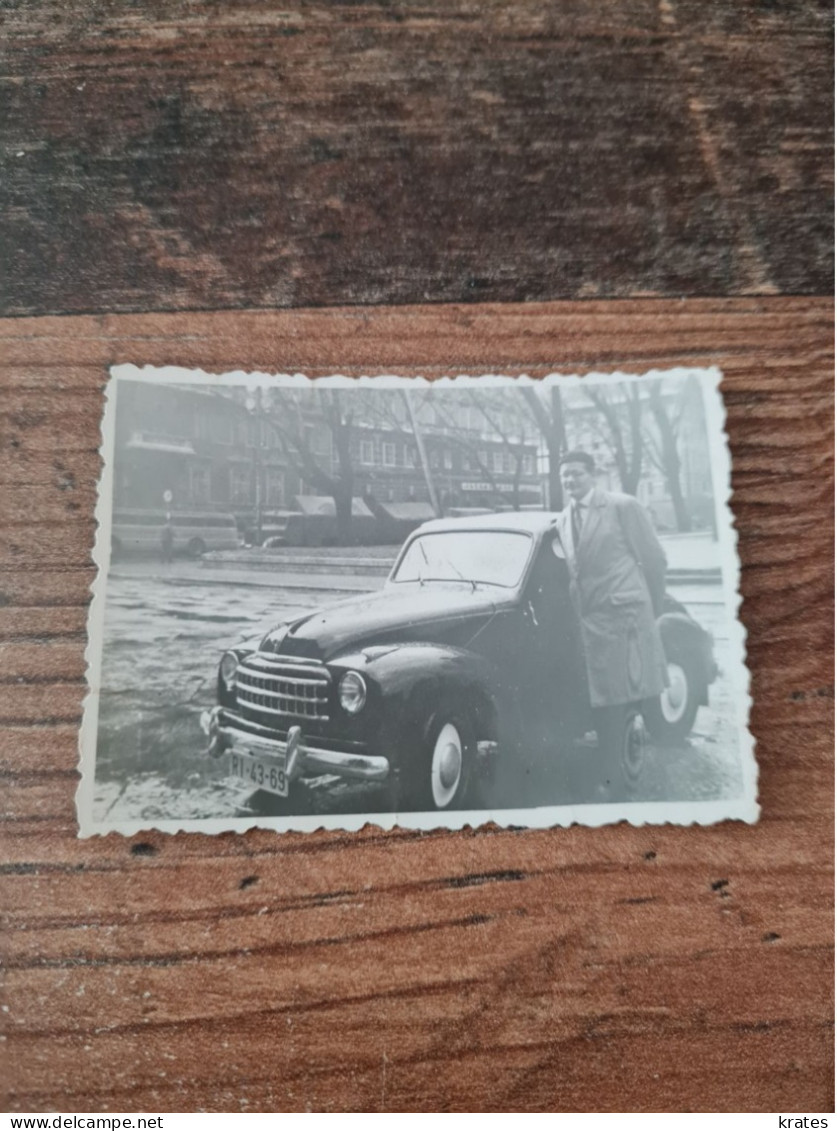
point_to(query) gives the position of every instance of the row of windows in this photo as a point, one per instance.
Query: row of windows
(228, 429)
(444, 412)
(389, 455)
(240, 485)
(272, 481)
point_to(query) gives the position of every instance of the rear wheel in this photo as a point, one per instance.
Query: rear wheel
(195, 547)
(671, 716)
(633, 753)
(623, 747)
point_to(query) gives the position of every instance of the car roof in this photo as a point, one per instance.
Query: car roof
(528, 522)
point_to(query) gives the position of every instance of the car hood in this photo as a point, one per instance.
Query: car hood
(450, 614)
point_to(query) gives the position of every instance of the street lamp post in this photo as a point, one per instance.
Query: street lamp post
(422, 454)
(255, 408)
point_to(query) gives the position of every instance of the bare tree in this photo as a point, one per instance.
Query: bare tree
(622, 418)
(418, 440)
(395, 411)
(503, 415)
(286, 416)
(503, 420)
(547, 410)
(662, 447)
(476, 455)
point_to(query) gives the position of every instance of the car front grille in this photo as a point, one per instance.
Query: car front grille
(283, 687)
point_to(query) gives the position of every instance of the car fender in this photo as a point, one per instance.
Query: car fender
(680, 633)
(410, 678)
(244, 647)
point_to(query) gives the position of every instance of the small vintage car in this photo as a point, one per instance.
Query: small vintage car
(467, 663)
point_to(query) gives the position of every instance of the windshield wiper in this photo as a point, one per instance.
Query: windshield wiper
(461, 575)
(426, 562)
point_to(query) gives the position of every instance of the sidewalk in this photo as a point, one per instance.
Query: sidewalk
(279, 579)
(192, 573)
(693, 559)
(371, 561)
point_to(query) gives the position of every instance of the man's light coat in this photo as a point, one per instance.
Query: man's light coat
(617, 580)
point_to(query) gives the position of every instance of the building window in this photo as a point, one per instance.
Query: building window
(528, 465)
(497, 459)
(367, 452)
(199, 484)
(448, 461)
(239, 485)
(389, 455)
(411, 457)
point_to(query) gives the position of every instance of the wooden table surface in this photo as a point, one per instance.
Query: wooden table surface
(468, 188)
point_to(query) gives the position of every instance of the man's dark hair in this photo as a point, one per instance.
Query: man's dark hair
(578, 456)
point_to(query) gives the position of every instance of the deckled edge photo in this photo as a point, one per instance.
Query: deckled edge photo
(743, 807)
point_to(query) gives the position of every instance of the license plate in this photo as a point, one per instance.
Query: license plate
(265, 773)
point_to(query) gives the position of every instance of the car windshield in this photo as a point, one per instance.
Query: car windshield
(478, 557)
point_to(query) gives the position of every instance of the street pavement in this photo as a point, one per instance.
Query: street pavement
(195, 574)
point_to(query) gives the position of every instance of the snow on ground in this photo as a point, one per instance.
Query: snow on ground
(150, 797)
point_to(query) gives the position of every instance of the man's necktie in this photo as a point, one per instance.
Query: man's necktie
(577, 509)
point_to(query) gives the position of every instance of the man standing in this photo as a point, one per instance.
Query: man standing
(167, 541)
(617, 582)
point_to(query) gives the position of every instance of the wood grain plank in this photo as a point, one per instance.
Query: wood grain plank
(395, 153)
(587, 969)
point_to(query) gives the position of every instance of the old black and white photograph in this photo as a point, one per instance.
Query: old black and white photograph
(429, 603)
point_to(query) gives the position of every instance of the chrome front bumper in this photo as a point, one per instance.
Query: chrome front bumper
(300, 759)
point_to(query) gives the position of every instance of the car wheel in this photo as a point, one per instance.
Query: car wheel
(623, 746)
(672, 714)
(441, 775)
(633, 752)
(195, 547)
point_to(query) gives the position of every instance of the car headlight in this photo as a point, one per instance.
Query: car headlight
(229, 666)
(352, 691)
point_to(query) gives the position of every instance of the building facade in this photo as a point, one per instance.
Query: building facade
(474, 457)
(186, 448)
(234, 450)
